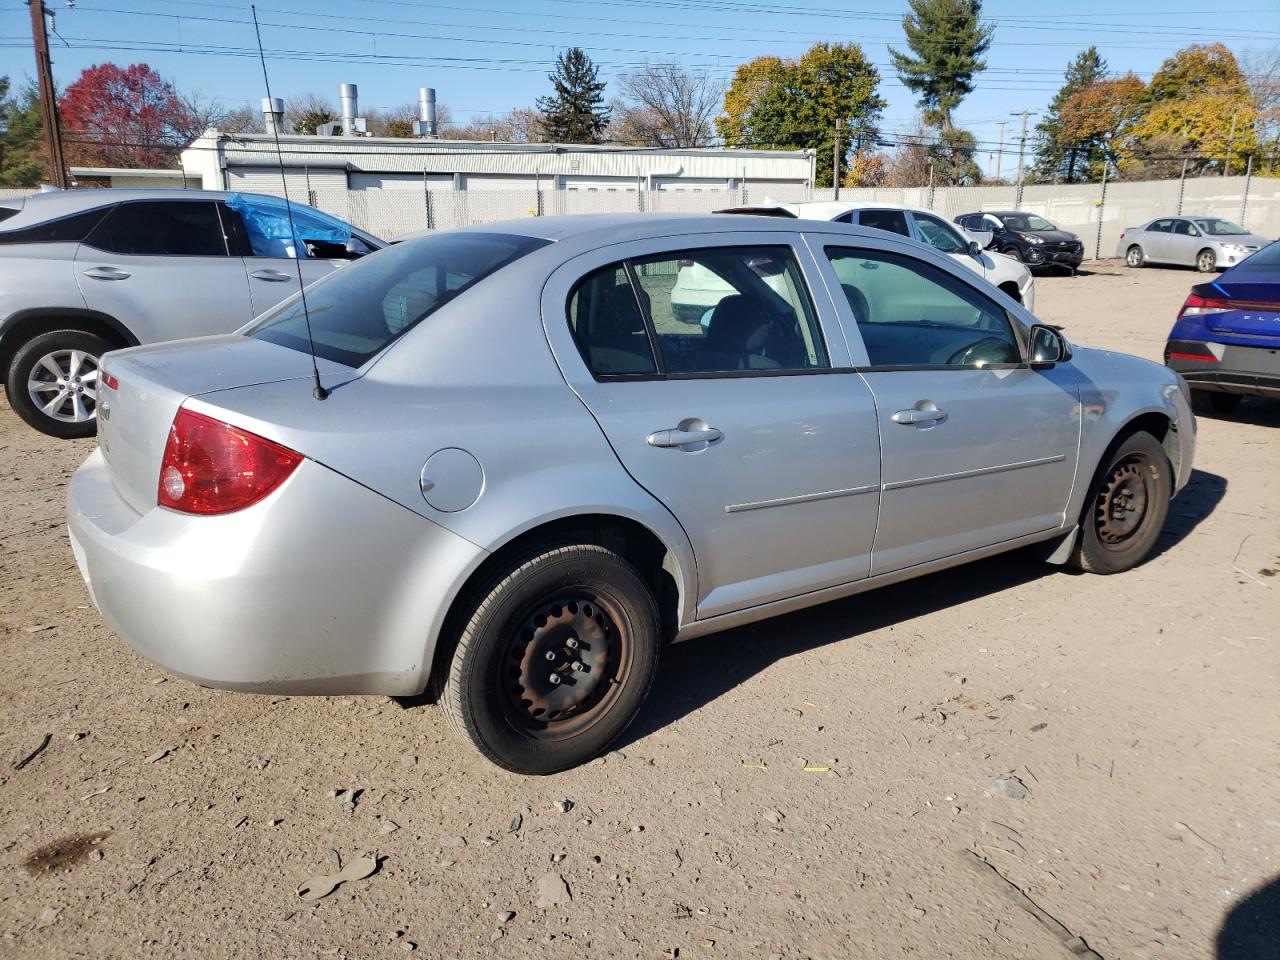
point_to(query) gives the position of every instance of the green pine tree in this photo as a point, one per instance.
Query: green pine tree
(947, 39)
(575, 111)
(22, 159)
(1057, 162)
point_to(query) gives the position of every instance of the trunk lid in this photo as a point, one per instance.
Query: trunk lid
(1257, 313)
(152, 382)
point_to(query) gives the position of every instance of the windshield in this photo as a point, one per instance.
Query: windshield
(1220, 228)
(362, 308)
(1026, 221)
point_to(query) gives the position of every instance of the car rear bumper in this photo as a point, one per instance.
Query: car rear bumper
(1250, 371)
(323, 587)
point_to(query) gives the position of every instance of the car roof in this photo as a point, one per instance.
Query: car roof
(826, 209)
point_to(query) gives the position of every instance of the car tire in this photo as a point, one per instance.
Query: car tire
(1213, 403)
(1127, 507)
(1206, 261)
(579, 612)
(76, 354)
(1013, 253)
(1134, 257)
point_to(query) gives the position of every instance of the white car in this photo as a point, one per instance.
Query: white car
(963, 246)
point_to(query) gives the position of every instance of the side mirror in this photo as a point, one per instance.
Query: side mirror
(355, 249)
(1047, 346)
(974, 248)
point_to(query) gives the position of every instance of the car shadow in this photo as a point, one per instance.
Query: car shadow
(1199, 498)
(1251, 931)
(1255, 411)
(694, 674)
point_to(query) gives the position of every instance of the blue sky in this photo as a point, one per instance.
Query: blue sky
(486, 56)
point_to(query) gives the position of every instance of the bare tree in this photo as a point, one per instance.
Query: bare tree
(909, 164)
(666, 105)
(1261, 67)
(521, 125)
(304, 112)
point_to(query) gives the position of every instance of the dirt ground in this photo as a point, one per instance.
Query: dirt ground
(801, 788)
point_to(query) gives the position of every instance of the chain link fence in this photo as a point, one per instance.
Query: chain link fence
(1098, 212)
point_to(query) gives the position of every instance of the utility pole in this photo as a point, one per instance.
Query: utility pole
(835, 162)
(1231, 142)
(48, 96)
(1000, 151)
(1022, 144)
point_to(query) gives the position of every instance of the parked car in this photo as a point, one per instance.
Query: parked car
(518, 489)
(87, 271)
(1027, 237)
(927, 227)
(1226, 340)
(1206, 243)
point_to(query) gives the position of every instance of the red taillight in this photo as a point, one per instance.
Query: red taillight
(212, 467)
(1198, 306)
(1198, 357)
(108, 380)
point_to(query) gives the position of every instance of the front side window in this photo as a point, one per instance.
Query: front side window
(360, 309)
(910, 313)
(314, 235)
(1185, 229)
(938, 235)
(165, 228)
(894, 221)
(728, 309)
(1221, 228)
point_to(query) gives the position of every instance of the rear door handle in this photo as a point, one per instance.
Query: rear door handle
(684, 438)
(106, 273)
(275, 276)
(918, 416)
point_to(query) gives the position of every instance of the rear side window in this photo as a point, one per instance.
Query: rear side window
(607, 325)
(72, 229)
(362, 308)
(894, 221)
(173, 228)
(1161, 226)
(7, 212)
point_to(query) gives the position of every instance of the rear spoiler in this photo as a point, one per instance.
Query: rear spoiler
(760, 212)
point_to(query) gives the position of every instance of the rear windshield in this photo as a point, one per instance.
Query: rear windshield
(365, 306)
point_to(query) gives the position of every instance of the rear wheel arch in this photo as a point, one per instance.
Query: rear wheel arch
(24, 325)
(656, 562)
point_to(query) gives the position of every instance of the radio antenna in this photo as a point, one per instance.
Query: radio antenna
(319, 392)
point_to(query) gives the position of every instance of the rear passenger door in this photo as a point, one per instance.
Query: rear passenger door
(1156, 240)
(977, 448)
(161, 267)
(751, 427)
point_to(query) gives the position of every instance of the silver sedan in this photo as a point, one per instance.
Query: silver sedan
(514, 472)
(1206, 243)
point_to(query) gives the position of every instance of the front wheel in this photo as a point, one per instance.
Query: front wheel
(1013, 253)
(1213, 403)
(52, 382)
(555, 660)
(1133, 257)
(1127, 507)
(1206, 261)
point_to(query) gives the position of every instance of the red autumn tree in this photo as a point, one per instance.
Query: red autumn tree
(126, 117)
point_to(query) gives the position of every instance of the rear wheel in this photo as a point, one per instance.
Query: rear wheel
(1213, 403)
(1134, 257)
(1206, 261)
(555, 660)
(52, 382)
(1127, 507)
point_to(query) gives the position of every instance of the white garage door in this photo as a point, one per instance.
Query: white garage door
(400, 181)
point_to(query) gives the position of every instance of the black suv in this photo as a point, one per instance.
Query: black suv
(1026, 237)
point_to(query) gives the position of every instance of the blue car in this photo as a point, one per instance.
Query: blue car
(1226, 340)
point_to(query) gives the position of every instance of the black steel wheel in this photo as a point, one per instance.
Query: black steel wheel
(558, 654)
(1127, 507)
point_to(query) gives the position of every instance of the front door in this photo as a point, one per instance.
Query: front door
(977, 447)
(162, 267)
(747, 423)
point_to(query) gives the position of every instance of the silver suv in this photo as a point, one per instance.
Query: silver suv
(87, 271)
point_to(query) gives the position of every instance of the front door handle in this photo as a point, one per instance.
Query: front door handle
(275, 276)
(106, 273)
(919, 415)
(685, 437)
